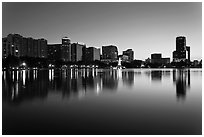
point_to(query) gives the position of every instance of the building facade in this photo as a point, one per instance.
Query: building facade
(157, 58)
(12, 45)
(19, 46)
(180, 53)
(66, 49)
(130, 54)
(53, 52)
(92, 54)
(77, 52)
(109, 53)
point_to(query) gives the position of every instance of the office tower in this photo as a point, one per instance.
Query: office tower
(53, 52)
(66, 49)
(110, 53)
(77, 52)
(130, 54)
(180, 53)
(92, 54)
(180, 43)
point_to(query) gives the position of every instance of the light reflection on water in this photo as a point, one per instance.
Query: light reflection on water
(152, 92)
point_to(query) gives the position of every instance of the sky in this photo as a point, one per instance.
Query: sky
(144, 27)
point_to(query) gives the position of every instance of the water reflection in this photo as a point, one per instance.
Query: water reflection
(182, 80)
(128, 77)
(156, 75)
(24, 85)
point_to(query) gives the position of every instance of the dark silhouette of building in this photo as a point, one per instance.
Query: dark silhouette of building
(11, 45)
(19, 46)
(5, 48)
(53, 52)
(130, 54)
(42, 48)
(109, 53)
(157, 58)
(92, 54)
(180, 53)
(77, 52)
(66, 49)
(30, 47)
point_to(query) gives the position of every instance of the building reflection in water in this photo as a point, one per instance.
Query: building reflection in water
(128, 77)
(156, 75)
(24, 85)
(181, 78)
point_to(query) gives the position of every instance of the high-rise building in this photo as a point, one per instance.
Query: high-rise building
(42, 48)
(180, 53)
(110, 53)
(35, 48)
(13, 43)
(130, 54)
(19, 46)
(53, 52)
(66, 49)
(24, 48)
(30, 47)
(5, 48)
(77, 52)
(92, 54)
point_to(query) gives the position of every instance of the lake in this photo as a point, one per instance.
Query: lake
(102, 101)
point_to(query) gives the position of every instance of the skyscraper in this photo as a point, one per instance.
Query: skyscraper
(66, 49)
(180, 53)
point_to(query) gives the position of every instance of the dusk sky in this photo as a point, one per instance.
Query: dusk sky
(144, 27)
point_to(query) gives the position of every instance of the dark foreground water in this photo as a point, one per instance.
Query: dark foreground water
(129, 101)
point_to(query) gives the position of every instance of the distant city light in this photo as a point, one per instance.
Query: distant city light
(23, 64)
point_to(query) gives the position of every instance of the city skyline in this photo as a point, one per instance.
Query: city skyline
(155, 24)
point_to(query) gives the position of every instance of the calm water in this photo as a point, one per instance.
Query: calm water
(129, 101)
